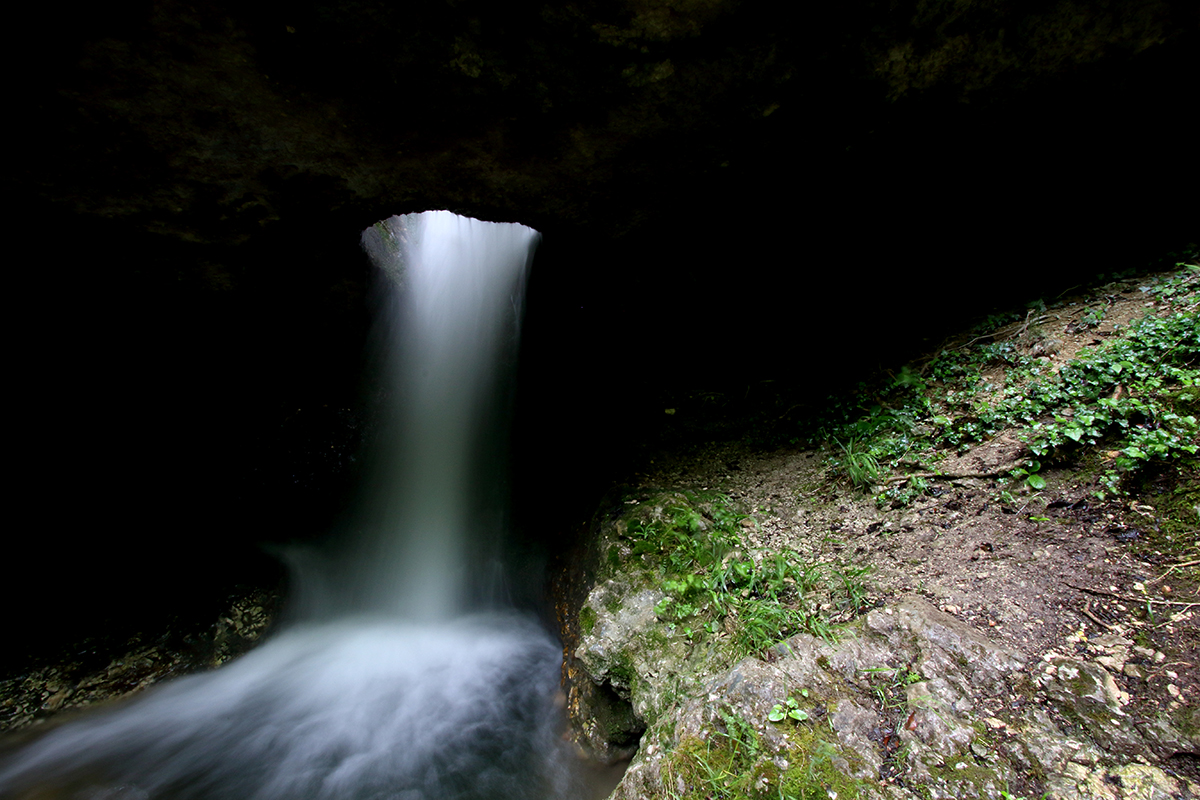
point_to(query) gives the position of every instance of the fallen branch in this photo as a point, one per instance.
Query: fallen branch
(1087, 612)
(1127, 599)
(1007, 332)
(1173, 568)
(946, 476)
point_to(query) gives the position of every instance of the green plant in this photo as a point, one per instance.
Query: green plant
(854, 587)
(901, 495)
(1134, 396)
(789, 709)
(890, 692)
(730, 765)
(707, 579)
(1029, 473)
(862, 468)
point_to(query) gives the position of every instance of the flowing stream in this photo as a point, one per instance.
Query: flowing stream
(405, 676)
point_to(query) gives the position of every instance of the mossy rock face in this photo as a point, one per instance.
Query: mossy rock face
(908, 670)
(1086, 694)
(898, 691)
(963, 778)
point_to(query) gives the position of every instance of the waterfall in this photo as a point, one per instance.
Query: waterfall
(426, 536)
(400, 681)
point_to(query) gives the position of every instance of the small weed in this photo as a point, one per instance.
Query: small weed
(707, 579)
(789, 709)
(730, 765)
(854, 587)
(862, 468)
(1136, 397)
(890, 693)
(902, 495)
(1029, 473)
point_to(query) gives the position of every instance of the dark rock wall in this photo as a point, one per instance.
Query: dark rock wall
(211, 122)
(730, 192)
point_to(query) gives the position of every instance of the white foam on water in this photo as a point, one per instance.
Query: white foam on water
(352, 709)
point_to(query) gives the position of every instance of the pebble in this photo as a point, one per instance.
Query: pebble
(1147, 652)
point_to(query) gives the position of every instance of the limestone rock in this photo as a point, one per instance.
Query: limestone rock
(901, 690)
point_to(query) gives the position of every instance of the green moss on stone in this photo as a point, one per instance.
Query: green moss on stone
(731, 764)
(621, 672)
(967, 778)
(613, 558)
(587, 620)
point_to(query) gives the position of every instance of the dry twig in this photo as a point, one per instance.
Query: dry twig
(1174, 567)
(1127, 599)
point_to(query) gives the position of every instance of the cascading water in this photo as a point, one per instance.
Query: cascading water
(400, 682)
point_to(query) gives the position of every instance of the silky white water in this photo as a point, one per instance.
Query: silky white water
(405, 679)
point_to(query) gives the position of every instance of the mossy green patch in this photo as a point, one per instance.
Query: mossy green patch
(690, 542)
(1179, 509)
(731, 763)
(968, 779)
(587, 619)
(612, 559)
(621, 672)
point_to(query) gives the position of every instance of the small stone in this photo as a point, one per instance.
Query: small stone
(1076, 772)
(1132, 671)
(56, 700)
(995, 724)
(1173, 690)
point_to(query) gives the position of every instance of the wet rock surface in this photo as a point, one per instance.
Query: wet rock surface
(914, 692)
(98, 672)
